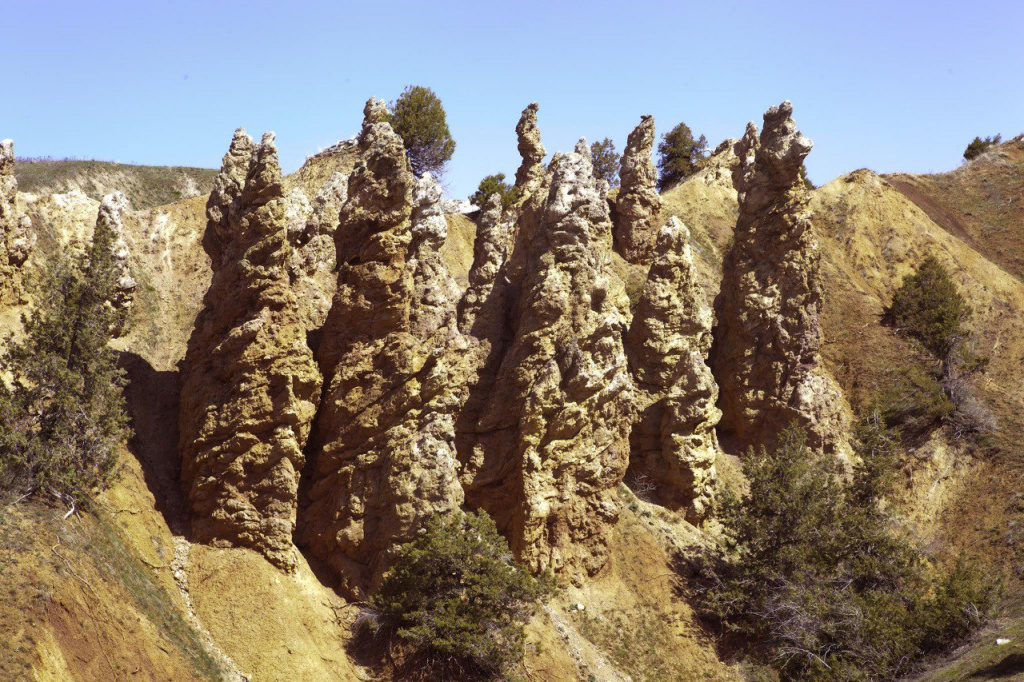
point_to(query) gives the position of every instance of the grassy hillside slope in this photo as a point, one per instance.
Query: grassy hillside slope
(145, 186)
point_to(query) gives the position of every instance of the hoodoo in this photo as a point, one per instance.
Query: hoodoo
(250, 385)
(767, 339)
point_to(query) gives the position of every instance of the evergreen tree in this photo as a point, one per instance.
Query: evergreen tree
(606, 161)
(455, 603)
(495, 184)
(679, 155)
(419, 117)
(979, 145)
(62, 414)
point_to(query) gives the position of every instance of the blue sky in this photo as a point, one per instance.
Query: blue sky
(884, 85)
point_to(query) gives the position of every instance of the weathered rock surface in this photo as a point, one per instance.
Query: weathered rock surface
(550, 444)
(384, 445)
(767, 338)
(109, 235)
(311, 228)
(638, 202)
(673, 441)
(490, 248)
(250, 386)
(16, 238)
(531, 170)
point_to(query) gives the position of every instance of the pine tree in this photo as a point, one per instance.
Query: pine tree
(680, 155)
(62, 414)
(419, 117)
(606, 161)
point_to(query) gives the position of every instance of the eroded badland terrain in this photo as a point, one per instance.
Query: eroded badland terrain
(320, 362)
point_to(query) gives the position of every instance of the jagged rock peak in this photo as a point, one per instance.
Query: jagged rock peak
(530, 148)
(375, 111)
(550, 443)
(16, 236)
(674, 446)
(109, 234)
(434, 289)
(489, 251)
(638, 202)
(391, 353)
(250, 386)
(766, 352)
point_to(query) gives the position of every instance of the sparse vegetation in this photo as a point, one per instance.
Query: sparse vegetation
(817, 571)
(606, 161)
(455, 603)
(680, 155)
(495, 184)
(62, 416)
(419, 117)
(145, 186)
(978, 146)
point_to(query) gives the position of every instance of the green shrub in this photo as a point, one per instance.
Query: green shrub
(495, 184)
(62, 416)
(606, 161)
(455, 603)
(679, 155)
(913, 400)
(815, 568)
(419, 117)
(929, 308)
(978, 146)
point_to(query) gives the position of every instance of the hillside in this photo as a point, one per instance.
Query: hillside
(145, 186)
(981, 202)
(125, 590)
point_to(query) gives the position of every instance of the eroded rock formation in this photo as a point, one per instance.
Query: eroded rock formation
(109, 236)
(550, 444)
(767, 338)
(250, 386)
(638, 203)
(531, 170)
(16, 238)
(674, 443)
(385, 452)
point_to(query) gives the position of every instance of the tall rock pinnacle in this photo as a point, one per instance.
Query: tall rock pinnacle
(249, 383)
(384, 445)
(638, 203)
(550, 444)
(530, 149)
(109, 236)
(16, 238)
(674, 443)
(767, 339)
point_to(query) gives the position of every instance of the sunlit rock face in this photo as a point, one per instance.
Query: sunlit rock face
(250, 385)
(767, 339)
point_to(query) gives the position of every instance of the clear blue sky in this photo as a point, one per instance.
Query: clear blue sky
(884, 85)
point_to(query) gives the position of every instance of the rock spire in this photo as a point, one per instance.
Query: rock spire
(673, 441)
(767, 339)
(250, 385)
(638, 202)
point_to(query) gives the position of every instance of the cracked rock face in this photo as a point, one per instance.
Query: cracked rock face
(674, 442)
(638, 202)
(109, 234)
(250, 386)
(550, 444)
(767, 339)
(531, 170)
(384, 446)
(16, 237)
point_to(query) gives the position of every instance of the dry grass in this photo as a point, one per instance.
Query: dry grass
(145, 186)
